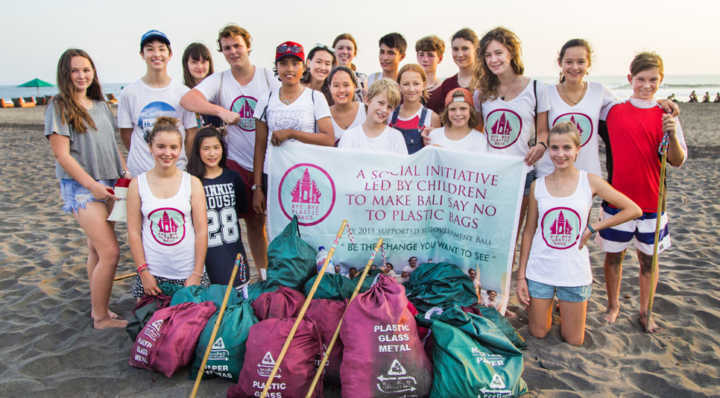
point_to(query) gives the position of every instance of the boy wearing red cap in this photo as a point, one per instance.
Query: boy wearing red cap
(457, 118)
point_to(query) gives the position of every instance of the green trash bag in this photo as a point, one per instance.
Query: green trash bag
(169, 289)
(369, 279)
(503, 324)
(291, 260)
(332, 287)
(473, 358)
(199, 294)
(439, 285)
(228, 350)
(146, 307)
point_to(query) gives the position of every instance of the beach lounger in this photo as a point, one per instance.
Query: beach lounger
(20, 103)
(6, 103)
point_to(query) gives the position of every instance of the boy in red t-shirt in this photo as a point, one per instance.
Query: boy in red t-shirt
(635, 132)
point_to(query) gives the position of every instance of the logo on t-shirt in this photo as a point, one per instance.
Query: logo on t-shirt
(150, 113)
(560, 227)
(581, 121)
(245, 107)
(503, 127)
(167, 226)
(308, 192)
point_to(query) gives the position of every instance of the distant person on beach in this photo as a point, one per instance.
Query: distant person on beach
(693, 97)
(289, 112)
(153, 95)
(81, 130)
(412, 116)
(197, 65)
(320, 61)
(225, 199)
(459, 119)
(374, 135)
(706, 98)
(464, 44)
(429, 51)
(717, 98)
(392, 52)
(554, 260)
(232, 95)
(635, 130)
(346, 50)
(166, 217)
(346, 111)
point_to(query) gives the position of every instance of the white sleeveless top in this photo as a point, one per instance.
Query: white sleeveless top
(168, 235)
(359, 119)
(554, 256)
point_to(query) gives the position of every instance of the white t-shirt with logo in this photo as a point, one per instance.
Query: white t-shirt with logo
(140, 105)
(359, 119)
(473, 142)
(390, 140)
(585, 114)
(302, 114)
(222, 89)
(510, 125)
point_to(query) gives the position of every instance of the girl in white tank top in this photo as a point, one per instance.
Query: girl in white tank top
(167, 217)
(553, 259)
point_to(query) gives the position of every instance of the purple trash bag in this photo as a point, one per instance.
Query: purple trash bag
(282, 303)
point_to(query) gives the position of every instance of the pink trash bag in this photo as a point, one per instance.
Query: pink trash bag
(167, 342)
(282, 303)
(326, 315)
(382, 353)
(296, 371)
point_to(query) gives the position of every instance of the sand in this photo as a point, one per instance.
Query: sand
(48, 347)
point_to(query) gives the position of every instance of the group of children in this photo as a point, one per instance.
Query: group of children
(183, 226)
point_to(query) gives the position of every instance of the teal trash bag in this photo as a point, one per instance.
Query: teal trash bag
(473, 358)
(199, 294)
(439, 285)
(331, 287)
(228, 350)
(500, 321)
(291, 260)
(169, 289)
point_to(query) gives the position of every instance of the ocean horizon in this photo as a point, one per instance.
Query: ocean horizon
(680, 85)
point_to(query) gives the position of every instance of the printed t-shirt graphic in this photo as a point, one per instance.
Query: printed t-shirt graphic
(503, 128)
(150, 113)
(581, 121)
(167, 226)
(245, 107)
(560, 227)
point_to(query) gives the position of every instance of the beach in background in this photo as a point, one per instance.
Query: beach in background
(50, 349)
(680, 85)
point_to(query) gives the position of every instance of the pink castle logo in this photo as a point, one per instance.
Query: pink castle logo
(308, 192)
(582, 121)
(245, 107)
(560, 226)
(579, 127)
(502, 126)
(167, 225)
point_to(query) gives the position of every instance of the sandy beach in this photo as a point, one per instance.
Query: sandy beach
(49, 348)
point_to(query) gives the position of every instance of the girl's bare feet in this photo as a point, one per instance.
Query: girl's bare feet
(107, 323)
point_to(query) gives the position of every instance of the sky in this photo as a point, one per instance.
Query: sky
(683, 32)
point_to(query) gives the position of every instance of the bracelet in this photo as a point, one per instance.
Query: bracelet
(591, 229)
(196, 273)
(142, 268)
(543, 144)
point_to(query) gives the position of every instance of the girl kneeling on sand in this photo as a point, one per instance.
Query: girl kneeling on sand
(81, 131)
(553, 258)
(167, 217)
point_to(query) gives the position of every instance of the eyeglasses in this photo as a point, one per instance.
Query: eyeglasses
(284, 48)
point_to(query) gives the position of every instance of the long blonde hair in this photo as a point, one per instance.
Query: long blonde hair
(70, 111)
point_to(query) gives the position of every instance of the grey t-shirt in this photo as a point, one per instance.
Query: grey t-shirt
(96, 149)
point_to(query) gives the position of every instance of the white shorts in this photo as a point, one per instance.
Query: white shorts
(639, 232)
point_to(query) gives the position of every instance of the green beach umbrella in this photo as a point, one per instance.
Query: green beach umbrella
(37, 83)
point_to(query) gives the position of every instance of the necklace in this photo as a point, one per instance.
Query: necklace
(571, 98)
(288, 99)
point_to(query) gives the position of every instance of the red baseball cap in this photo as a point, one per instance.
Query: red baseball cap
(290, 49)
(465, 97)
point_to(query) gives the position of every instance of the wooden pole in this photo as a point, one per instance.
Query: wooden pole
(661, 201)
(335, 335)
(124, 276)
(229, 288)
(303, 309)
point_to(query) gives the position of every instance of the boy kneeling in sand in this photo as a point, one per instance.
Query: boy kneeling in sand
(635, 130)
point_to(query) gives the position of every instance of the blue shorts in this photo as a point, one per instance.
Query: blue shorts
(76, 196)
(529, 178)
(638, 232)
(575, 294)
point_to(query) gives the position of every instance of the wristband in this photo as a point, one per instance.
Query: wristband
(543, 144)
(141, 268)
(591, 229)
(255, 187)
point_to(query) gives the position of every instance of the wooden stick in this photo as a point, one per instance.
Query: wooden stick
(661, 200)
(229, 288)
(301, 314)
(124, 276)
(335, 335)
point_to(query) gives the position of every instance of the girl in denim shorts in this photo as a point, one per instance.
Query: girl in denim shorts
(553, 258)
(81, 132)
